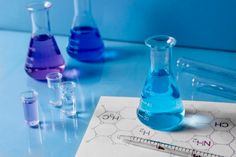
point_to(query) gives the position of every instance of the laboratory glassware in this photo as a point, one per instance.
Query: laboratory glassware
(43, 55)
(214, 88)
(29, 101)
(68, 98)
(206, 70)
(208, 78)
(85, 42)
(54, 80)
(160, 105)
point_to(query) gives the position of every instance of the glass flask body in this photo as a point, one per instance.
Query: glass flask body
(44, 55)
(160, 106)
(85, 43)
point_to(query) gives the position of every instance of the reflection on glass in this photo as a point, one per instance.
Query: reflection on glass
(70, 128)
(35, 142)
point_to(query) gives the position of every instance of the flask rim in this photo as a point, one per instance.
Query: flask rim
(39, 6)
(160, 41)
(68, 85)
(53, 76)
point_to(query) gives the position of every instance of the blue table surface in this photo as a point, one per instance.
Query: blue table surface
(122, 74)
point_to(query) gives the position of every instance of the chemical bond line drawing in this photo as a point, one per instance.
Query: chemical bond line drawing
(205, 130)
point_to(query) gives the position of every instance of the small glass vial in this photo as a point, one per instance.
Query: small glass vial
(43, 55)
(54, 81)
(68, 98)
(160, 106)
(29, 101)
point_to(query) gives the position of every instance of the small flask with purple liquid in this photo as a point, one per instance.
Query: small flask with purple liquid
(85, 43)
(44, 55)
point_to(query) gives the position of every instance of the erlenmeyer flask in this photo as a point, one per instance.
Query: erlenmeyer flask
(160, 106)
(44, 55)
(85, 43)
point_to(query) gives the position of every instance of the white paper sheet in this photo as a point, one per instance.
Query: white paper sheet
(208, 126)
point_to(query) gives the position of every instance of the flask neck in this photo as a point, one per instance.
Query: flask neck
(40, 23)
(39, 13)
(82, 7)
(161, 60)
(83, 14)
(161, 50)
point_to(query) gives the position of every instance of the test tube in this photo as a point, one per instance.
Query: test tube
(209, 78)
(68, 98)
(214, 88)
(54, 81)
(30, 106)
(206, 70)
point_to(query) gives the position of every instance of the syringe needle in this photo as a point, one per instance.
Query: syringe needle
(165, 147)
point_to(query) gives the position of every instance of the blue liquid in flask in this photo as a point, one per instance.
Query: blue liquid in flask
(161, 107)
(85, 44)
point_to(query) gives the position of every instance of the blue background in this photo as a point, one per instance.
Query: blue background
(195, 23)
(205, 24)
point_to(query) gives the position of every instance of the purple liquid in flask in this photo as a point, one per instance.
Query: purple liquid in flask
(43, 57)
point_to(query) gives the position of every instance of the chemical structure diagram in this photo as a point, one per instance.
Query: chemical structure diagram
(205, 130)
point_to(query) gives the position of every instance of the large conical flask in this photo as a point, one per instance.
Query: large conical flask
(44, 55)
(160, 106)
(85, 43)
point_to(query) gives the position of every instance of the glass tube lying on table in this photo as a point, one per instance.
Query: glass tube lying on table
(213, 88)
(206, 70)
(209, 78)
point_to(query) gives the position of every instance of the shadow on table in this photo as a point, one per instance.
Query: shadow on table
(195, 122)
(83, 72)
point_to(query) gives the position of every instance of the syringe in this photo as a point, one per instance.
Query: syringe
(164, 147)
